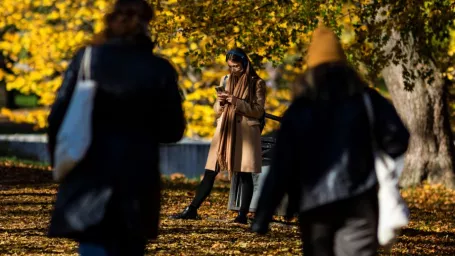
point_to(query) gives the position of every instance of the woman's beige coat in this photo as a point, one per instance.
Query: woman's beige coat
(247, 149)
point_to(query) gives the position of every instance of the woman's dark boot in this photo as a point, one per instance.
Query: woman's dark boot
(242, 218)
(190, 213)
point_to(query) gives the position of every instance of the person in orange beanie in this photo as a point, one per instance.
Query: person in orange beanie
(324, 155)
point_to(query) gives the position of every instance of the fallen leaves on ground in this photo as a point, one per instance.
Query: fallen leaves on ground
(27, 194)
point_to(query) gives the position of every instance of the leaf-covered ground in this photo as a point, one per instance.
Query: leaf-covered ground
(27, 193)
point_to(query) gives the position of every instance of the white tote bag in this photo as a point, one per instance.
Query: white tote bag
(75, 134)
(393, 211)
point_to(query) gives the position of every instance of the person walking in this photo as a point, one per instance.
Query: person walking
(110, 202)
(236, 145)
(324, 156)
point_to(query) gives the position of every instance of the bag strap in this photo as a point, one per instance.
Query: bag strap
(371, 119)
(369, 108)
(84, 70)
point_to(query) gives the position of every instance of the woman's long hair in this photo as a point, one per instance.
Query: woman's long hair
(129, 19)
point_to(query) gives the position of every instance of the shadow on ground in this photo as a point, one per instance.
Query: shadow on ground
(25, 176)
(27, 195)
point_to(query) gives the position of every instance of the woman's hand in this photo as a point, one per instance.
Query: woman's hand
(221, 97)
(231, 99)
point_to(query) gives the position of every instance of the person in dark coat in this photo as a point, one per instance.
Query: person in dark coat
(323, 157)
(110, 202)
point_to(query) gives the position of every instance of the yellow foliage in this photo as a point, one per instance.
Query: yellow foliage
(42, 36)
(37, 117)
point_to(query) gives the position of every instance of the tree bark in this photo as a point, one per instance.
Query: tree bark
(424, 110)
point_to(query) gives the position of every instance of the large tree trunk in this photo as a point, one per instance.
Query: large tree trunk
(424, 111)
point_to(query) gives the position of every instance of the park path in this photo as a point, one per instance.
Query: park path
(27, 194)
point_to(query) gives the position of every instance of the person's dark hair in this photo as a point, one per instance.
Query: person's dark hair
(237, 55)
(299, 86)
(343, 79)
(128, 19)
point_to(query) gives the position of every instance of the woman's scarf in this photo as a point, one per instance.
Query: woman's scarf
(240, 88)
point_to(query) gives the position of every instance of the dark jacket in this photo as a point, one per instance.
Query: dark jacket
(324, 152)
(136, 107)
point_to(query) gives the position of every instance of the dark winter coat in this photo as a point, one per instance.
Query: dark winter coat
(324, 151)
(115, 191)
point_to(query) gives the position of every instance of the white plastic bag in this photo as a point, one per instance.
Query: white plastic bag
(393, 211)
(75, 134)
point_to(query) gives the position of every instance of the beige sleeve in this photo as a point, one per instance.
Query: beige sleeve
(256, 108)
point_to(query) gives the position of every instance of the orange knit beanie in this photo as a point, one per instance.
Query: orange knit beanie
(325, 47)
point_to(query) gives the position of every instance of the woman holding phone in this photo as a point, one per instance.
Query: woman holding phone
(236, 145)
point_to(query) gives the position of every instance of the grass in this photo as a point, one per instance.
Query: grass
(26, 101)
(27, 193)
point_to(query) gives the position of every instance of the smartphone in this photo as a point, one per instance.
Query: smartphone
(219, 89)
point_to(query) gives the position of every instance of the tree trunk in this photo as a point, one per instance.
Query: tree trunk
(424, 110)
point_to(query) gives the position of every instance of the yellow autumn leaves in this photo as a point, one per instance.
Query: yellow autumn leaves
(430, 231)
(37, 117)
(42, 36)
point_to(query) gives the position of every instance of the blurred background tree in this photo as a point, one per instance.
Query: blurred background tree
(405, 46)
